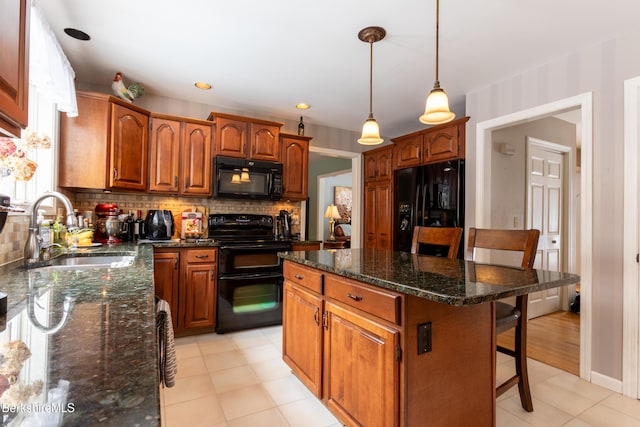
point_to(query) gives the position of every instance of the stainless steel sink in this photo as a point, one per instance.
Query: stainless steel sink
(89, 261)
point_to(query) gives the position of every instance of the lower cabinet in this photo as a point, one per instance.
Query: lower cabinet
(356, 347)
(186, 278)
(343, 353)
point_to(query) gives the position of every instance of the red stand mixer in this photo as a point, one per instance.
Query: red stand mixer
(108, 226)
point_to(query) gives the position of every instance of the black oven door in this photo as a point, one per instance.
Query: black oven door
(249, 301)
(251, 258)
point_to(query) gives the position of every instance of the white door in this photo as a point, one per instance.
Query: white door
(544, 212)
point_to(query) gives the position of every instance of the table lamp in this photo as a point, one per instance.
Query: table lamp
(332, 214)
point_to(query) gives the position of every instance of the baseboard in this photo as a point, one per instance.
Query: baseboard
(606, 382)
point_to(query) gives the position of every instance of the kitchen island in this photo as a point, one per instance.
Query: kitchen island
(92, 337)
(394, 339)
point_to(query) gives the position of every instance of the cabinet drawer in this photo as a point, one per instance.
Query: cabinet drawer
(383, 304)
(202, 255)
(303, 276)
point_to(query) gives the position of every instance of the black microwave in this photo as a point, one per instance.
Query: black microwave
(247, 179)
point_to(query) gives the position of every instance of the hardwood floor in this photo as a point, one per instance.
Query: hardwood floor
(553, 339)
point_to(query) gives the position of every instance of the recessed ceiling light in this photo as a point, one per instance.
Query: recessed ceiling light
(202, 85)
(77, 34)
(303, 106)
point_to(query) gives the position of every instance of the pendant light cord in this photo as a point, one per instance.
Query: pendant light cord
(370, 77)
(437, 36)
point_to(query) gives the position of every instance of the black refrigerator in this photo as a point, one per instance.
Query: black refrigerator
(431, 196)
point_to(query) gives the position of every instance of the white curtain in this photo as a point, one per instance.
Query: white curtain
(49, 69)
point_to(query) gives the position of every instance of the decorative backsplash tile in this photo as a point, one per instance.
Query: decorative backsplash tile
(14, 235)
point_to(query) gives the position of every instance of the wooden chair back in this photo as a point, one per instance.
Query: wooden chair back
(525, 241)
(440, 236)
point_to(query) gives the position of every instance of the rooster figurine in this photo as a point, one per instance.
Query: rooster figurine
(120, 89)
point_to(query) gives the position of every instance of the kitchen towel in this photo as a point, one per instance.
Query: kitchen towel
(167, 364)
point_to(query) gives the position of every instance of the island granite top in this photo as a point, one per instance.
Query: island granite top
(92, 328)
(447, 281)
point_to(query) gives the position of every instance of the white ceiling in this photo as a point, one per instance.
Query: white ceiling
(265, 57)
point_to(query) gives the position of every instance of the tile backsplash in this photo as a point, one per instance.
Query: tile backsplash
(14, 235)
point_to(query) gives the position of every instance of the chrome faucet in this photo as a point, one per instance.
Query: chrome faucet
(34, 240)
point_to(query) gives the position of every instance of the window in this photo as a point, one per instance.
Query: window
(43, 119)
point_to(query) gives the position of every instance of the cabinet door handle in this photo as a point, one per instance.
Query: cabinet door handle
(316, 316)
(202, 256)
(299, 277)
(354, 297)
(175, 181)
(115, 174)
(175, 264)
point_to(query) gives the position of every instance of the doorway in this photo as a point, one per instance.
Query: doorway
(315, 212)
(579, 238)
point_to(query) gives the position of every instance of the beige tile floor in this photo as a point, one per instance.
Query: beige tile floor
(239, 380)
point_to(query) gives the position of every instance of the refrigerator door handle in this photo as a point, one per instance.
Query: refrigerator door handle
(415, 207)
(425, 189)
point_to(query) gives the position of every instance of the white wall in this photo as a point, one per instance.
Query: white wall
(600, 69)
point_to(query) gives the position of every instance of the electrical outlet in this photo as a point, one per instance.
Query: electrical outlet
(424, 338)
(516, 221)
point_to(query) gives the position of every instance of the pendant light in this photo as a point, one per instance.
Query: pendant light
(370, 129)
(437, 107)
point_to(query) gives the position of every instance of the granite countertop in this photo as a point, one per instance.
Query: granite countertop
(453, 282)
(94, 328)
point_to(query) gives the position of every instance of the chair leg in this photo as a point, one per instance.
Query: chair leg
(521, 357)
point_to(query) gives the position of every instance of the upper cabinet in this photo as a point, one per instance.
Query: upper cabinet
(434, 144)
(106, 146)
(14, 66)
(295, 166)
(247, 138)
(181, 156)
(377, 164)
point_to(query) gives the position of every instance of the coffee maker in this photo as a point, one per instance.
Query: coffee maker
(108, 226)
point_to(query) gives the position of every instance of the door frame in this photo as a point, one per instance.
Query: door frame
(568, 259)
(483, 195)
(631, 282)
(356, 177)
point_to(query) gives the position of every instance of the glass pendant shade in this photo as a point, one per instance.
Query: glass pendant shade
(437, 107)
(370, 132)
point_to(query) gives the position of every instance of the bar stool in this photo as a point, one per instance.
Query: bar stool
(507, 315)
(437, 236)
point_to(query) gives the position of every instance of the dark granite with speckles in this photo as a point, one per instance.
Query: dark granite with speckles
(453, 282)
(106, 348)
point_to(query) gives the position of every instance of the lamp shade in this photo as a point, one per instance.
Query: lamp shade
(332, 212)
(235, 178)
(370, 132)
(437, 108)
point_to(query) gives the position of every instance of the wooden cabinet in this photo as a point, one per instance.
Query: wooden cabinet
(180, 159)
(245, 137)
(378, 198)
(295, 166)
(106, 146)
(14, 66)
(339, 348)
(302, 343)
(186, 278)
(371, 369)
(407, 151)
(306, 246)
(199, 287)
(378, 164)
(361, 368)
(434, 144)
(166, 276)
